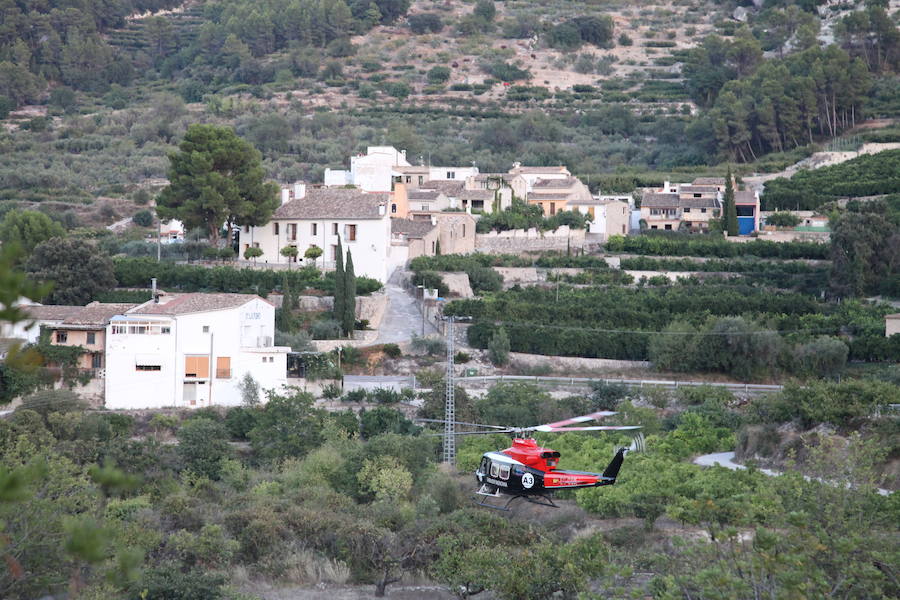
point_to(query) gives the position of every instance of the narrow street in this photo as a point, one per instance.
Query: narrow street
(402, 318)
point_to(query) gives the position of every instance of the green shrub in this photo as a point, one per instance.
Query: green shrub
(202, 445)
(392, 350)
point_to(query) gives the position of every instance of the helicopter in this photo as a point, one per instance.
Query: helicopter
(529, 472)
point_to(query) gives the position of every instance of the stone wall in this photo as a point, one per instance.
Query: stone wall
(530, 240)
(457, 284)
(370, 308)
(573, 364)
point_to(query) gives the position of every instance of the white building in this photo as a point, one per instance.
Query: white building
(532, 174)
(191, 350)
(371, 172)
(317, 219)
(610, 215)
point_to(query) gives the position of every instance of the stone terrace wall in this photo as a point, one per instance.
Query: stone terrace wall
(531, 240)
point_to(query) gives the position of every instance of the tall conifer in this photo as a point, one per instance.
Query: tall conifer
(339, 284)
(349, 317)
(731, 220)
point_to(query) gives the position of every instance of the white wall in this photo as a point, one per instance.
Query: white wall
(443, 173)
(338, 177)
(370, 250)
(244, 334)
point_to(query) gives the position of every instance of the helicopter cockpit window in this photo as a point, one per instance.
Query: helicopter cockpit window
(495, 469)
(504, 472)
(485, 465)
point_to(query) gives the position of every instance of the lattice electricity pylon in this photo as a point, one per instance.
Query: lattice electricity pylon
(449, 402)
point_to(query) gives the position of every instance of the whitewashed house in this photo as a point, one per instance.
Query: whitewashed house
(610, 215)
(317, 218)
(370, 172)
(191, 350)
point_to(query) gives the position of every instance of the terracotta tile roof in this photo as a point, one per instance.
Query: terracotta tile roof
(700, 189)
(449, 188)
(184, 304)
(97, 313)
(476, 195)
(709, 181)
(414, 228)
(557, 196)
(557, 183)
(539, 170)
(657, 200)
(333, 203)
(57, 312)
(421, 194)
(698, 203)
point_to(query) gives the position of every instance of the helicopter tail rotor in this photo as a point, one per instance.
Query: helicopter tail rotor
(637, 443)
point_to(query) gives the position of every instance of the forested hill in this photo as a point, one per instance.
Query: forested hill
(611, 88)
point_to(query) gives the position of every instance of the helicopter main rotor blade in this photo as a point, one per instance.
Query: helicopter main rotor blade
(548, 429)
(470, 433)
(461, 423)
(591, 417)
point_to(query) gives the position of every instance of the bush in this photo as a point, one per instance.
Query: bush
(438, 74)
(202, 446)
(484, 279)
(625, 40)
(170, 582)
(143, 218)
(783, 219)
(462, 357)
(425, 22)
(505, 71)
(432, 346)
(392, 350)
(239, 421)
(717, 247)
(498, 348)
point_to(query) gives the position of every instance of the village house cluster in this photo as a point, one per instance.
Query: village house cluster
(193, 350)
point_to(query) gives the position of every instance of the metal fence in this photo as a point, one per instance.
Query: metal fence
(639, 383)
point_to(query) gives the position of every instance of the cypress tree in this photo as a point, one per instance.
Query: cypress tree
(731, 220)
(349, 318)
(287, 306)
(339, 283)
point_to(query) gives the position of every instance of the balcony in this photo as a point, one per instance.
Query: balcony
(223, 373)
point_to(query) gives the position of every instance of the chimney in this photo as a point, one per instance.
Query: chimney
(153, 293)
(285, 196)
(665, 186)
(299, 190)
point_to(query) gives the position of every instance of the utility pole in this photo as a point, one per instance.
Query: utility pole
(158, 238)
(450, 403)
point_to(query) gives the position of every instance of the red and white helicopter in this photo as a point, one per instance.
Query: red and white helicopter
(528, 471)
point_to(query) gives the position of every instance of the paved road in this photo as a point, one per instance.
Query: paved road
(402, 317)
(726, 459)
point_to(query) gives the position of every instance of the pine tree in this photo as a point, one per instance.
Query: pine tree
(287, 306)
(349, 316)
(339, 284)
(731, 220)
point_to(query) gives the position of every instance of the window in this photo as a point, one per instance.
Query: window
(165, 330)
(697, 195)
(334, 229)
(350, 233)
(119, 329)
(669, 226)
(451, 175)
(654, 227)
(196, 366)
(687, 209)
(62, 337)
(292, 231)
(654, 211)
(703, 211)
(495, 469)
(553, 208)
(91, 337)
(96, 360)
(275, 228)
(147, 368)
(223, 367)
(421, 179)
(334, 253)
(393, 208)
(433, 248)
(314, 228)
(246, 229)
(623, 229)
(426, 207)
(408, 179)
(206, 329)
(464, 230)
(264, 359)
(256, 244)
(504, 472)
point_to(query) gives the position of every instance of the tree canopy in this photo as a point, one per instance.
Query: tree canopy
(216, 178)
(75, 267)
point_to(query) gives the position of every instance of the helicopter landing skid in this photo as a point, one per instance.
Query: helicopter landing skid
(495, 493)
